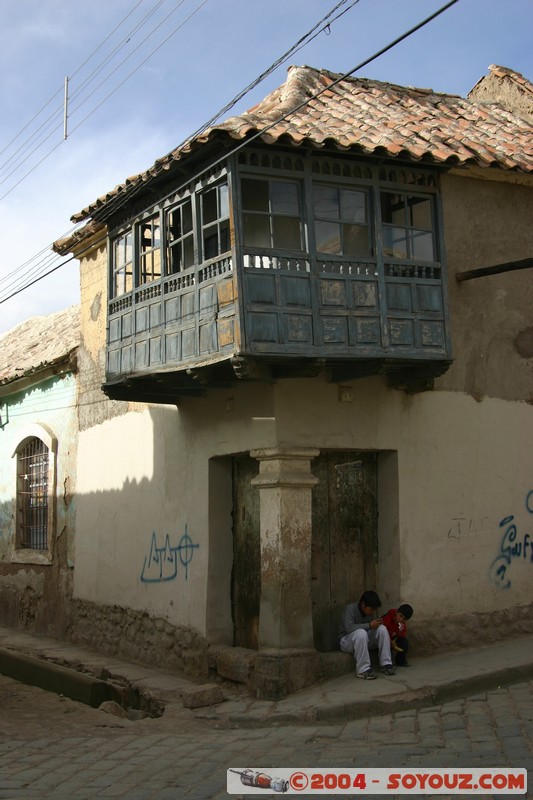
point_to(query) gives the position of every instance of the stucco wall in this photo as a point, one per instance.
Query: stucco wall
(464, 466)
(489, 222)
(35, 594)
(154, 501)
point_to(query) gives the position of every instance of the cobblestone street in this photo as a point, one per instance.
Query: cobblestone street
(52, 747)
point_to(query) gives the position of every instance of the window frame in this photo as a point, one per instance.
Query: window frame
(369, 224)
(409, 229)
(178, 243)
(23, 554)
(273, 215)
(121, 269)
(190, 242)
(218, 223)
(147, 252)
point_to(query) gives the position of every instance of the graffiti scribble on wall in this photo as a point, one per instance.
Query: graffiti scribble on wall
(161, 563)
(513, 546)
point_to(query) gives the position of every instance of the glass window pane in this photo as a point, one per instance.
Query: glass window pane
(392, 208)
(223, 199)
(210, 242)
(419, 210)
(128, 246)
(255, 195)
(422, 246)
(284, 198)
(186, 217)
(355, 240)
(224, 237)
(146, 235)
(256, 230)
(209, 206)
(188, 252)
(353, 206)
(395, 242)
(328, 237)
(157, 263)
(123, 250)
(174, 225)
(286, 233)
(174, 258)
(326, 203)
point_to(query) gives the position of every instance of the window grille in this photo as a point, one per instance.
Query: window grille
(32, 495)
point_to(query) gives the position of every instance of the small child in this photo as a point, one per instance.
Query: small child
(395, 621)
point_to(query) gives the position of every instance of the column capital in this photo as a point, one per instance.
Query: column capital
(273, 453)
(285, 467)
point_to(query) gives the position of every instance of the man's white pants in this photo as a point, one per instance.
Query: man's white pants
(359, 642)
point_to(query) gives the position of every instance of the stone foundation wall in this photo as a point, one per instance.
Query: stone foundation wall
(137, 636)
(458, 631)
(141, 638)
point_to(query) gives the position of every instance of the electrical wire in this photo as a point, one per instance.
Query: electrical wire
(324, 23)
(119, 47)
(133, 191)
(60, 90)
(57, 116)
(302, 42)
(58, 113)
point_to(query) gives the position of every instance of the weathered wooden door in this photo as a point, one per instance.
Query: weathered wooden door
(246, 573)
(344, 543)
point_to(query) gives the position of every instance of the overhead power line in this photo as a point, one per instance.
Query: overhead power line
(133, 191)
(323, 24)
(55, 122)
(59, 90)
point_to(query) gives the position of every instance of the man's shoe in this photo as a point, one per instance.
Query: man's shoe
(368, 675)
(388, 669)
(404, 664)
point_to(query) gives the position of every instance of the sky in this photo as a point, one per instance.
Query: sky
(145, 74)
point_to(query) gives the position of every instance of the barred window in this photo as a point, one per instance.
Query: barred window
(32, 495)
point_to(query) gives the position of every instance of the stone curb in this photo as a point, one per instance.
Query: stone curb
(423, 697)
(55, 678)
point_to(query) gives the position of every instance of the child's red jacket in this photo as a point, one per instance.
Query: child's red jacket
(397, 630)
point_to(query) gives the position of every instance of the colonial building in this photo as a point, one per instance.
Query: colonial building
(306, 364)
(38, 448)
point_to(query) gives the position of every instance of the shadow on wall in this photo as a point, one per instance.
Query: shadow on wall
(138, 547)
(34, 596)
(157, 559)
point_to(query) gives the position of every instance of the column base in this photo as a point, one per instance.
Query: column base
(278, 673)
(273, 673)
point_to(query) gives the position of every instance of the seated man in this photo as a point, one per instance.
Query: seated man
(361, 631)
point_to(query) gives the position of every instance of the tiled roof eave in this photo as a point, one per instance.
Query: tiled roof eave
(54, 365)
(408, 153)
(357, 116)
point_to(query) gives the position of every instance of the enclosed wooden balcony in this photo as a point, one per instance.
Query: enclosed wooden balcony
(266, 273)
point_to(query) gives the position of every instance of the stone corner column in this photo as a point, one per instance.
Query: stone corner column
(285, 485)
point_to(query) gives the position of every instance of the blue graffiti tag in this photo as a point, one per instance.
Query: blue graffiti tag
(512, 546)
(161, 564)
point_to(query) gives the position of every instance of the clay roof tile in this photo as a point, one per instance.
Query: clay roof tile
(315, 106)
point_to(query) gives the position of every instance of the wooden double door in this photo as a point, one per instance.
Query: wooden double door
(344, 542)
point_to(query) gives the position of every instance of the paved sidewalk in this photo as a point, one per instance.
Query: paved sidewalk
(429, 681)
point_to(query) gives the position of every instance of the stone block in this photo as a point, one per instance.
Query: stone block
(208, 694)
(278, 673)
(236, 664)
(336, 664)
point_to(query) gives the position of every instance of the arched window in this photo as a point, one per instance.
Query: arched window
(32, 495)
